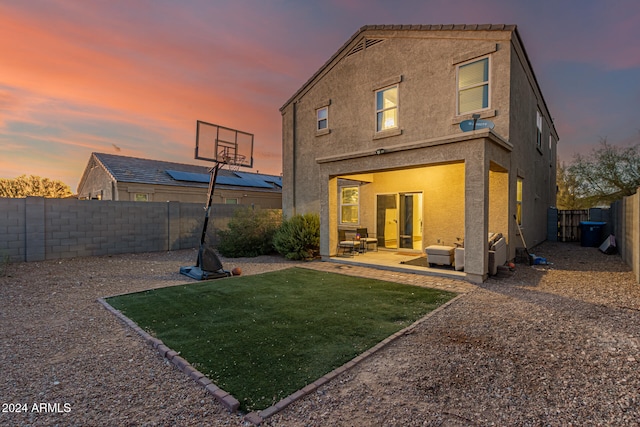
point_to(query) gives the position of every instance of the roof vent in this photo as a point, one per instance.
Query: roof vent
(364, 44)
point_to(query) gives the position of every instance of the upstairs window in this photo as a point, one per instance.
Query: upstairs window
(387, 109)
(349, 205)
(539, 130)
(322, 118)
(473, 86)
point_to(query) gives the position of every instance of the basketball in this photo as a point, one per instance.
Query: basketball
(237, 271)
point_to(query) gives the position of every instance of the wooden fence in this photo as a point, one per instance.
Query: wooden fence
(569, 224)
(564, 225)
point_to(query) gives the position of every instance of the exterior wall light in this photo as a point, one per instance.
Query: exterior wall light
(380, 151)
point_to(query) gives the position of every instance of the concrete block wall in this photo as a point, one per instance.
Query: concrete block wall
(37, 229)
(12, 229)
(625, 216)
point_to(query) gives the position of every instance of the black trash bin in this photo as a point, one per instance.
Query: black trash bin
(591, 233)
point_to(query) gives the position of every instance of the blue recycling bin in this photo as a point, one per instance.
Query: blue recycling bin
(591, 233)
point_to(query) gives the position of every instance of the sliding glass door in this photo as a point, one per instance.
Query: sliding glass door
(399, 220)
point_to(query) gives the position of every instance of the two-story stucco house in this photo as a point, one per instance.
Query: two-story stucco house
(373, 139)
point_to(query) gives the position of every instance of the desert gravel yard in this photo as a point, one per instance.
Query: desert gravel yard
(551, 345)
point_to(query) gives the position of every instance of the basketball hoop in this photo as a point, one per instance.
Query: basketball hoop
(223, 146)
(220, 144)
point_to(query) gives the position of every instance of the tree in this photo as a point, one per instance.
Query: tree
(607, 174)
(32, 185)
(566, 198)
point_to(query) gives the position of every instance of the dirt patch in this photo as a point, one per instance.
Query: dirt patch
(551, 345)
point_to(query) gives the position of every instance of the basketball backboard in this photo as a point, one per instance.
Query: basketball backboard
(223, 145)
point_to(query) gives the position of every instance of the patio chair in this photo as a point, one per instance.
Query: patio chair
(346, 247)
(368, 240)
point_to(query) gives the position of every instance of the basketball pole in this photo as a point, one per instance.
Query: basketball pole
(223, 148)
(213, 175)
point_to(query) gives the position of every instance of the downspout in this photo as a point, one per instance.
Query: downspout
(294, 160)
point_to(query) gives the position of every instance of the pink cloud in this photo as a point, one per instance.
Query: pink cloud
(140, 76)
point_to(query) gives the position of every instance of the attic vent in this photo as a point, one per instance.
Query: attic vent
(364, 44)
(372, 42)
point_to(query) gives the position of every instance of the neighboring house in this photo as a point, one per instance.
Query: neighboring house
(373, 139)
(111, 177)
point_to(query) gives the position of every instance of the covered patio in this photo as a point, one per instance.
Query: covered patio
(396, 261)
(449, 191)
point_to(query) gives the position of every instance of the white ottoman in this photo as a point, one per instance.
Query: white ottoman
(459, 259)
(440, 255)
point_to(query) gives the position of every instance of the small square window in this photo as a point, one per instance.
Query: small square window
(230, 201)
(141, 197)
(322, 118)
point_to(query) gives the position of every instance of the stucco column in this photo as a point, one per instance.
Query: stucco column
(476, 213)
(328, 212)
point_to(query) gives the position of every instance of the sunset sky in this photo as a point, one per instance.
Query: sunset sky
(132, 77)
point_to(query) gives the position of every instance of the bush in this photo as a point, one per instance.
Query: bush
(299, 237)
(250, 233)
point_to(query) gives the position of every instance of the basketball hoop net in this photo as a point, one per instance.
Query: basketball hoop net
(233, 161)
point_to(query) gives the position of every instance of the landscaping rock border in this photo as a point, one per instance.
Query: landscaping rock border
(226, 399)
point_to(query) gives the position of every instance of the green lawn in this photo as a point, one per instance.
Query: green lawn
(265, 336)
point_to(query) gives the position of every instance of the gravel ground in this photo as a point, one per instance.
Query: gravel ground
(552, 345)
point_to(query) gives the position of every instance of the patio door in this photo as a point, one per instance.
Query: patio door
(410, 221)
(387, 221)
(399, 220)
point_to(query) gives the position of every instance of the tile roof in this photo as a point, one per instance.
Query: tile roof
(146, 171)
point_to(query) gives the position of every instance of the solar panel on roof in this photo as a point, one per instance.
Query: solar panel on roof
(238, 179)
(188, 176)
(243, 180)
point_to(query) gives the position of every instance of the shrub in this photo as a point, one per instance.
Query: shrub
(250, 233)
(299, 237)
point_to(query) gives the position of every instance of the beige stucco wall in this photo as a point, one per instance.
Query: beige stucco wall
(536, 166)
(425, 63)
(479, 168)
(97, 183)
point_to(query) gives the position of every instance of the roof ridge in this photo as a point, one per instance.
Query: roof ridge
(440, 27)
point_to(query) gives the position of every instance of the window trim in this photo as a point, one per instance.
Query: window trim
(342, 204)
(319, 120)
(396, 107)
(488, 83)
